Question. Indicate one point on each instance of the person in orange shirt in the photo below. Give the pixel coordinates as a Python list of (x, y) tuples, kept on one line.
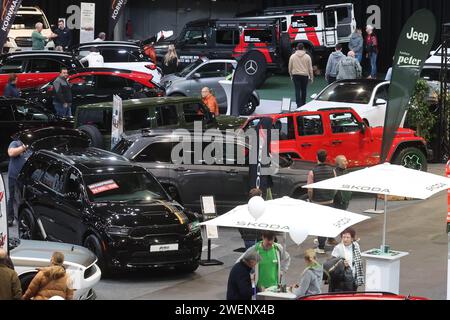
[(210, 101)]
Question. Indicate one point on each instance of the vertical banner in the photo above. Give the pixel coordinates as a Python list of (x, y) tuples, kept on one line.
[(413, 48), (250, 69), (87, 22), (117, 121), (3, 217), (116, 10), (9, 11)]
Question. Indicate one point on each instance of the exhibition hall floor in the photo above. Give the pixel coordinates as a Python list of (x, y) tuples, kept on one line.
[(417, 227)]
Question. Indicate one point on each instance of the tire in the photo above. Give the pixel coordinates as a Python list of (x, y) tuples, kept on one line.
[(188, 268), (25, 281), (27, 225), (94, 134), (93, 243), (412, 158), (250, 107)]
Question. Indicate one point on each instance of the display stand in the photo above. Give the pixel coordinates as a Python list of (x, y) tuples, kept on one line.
[(209, 213), (227, 86), (383, 270)]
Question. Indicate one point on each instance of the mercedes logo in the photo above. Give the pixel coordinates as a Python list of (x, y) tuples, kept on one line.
[(251, 67)]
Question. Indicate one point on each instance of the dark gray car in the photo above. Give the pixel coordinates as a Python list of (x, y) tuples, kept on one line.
[(228, 182)]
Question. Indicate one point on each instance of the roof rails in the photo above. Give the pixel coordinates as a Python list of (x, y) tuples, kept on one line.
[(335, 109), (292, 9)]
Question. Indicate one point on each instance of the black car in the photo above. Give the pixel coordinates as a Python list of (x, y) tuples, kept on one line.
[(97, 199), (19, 114)]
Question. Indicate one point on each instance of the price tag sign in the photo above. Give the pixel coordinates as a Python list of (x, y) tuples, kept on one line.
[(208, 207), (212, 232)]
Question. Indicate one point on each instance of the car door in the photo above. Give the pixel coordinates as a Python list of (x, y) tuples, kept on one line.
[(311, 135), (8, 127), (209, 76), (109, 85), (83, 90), (346, 22), (285, 129), (41, 71), (346, 139), (330, 30)]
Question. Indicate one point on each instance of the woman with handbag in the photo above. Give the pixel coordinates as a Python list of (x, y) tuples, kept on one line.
[(350, 252)]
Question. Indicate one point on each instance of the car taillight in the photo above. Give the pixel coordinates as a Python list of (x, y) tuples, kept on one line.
[(151, 66)]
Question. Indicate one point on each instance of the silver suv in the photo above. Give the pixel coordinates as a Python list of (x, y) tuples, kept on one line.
[(206, 73)]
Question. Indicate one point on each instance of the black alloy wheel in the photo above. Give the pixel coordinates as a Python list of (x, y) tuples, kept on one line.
[(412, 158), (27, 225), (249, 107)]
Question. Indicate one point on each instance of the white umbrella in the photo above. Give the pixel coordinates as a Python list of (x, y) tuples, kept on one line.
[(286, 215), (387, 179)]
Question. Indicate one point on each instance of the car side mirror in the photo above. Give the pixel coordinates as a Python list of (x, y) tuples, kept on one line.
[(362, 127), (196, 76), (380, 102), (314, 96)]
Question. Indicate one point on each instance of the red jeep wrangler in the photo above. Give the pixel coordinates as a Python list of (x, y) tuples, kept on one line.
[(341, 132)]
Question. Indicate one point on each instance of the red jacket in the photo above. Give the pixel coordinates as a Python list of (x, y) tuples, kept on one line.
[(371, 43)]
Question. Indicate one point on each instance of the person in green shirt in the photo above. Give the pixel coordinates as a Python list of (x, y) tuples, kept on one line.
[(38, 39), (273, 264)]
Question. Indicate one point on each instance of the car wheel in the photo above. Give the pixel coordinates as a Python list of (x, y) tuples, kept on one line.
[(412, 158), (25, 281), (250, 107), (188, 268), (94, 134), (93, 244), (27, 225)]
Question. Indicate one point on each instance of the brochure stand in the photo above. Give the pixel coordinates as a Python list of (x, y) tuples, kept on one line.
[(209, 213)]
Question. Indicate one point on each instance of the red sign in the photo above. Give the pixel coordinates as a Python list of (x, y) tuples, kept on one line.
[(103, 186)]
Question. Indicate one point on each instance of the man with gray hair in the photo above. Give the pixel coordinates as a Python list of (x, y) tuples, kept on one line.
[(349, 68), (38, 39), (239, 281), (342, 198), (10, 288), (101, 37)]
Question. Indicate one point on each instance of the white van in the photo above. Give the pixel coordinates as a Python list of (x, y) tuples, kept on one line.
[(19, 36)]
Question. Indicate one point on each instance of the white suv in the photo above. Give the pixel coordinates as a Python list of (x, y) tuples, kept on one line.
[(19, 36)]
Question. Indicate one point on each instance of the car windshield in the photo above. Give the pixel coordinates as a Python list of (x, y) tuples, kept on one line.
[(124, 187), (348, 92), (189, 68), (28, 21)]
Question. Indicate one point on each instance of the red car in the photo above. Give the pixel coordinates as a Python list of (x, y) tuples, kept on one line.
[(375, 296), (341, 132), (95, 85), (35, 68)]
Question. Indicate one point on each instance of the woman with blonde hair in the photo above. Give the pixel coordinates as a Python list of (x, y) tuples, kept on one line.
[(170, 63), (311, 280)]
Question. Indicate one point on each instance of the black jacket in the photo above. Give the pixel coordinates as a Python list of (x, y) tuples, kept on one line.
[(62, 90), (171, 67), (64, 38), (239, 282)]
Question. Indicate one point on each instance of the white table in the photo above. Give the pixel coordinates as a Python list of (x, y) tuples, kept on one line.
[(267, 295), (383, 270)]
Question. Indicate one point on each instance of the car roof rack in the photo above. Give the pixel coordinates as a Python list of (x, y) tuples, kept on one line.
[(292, 9)]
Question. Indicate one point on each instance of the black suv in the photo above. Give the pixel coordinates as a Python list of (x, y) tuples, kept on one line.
[(99, 200), (226, 39), (19, 114)]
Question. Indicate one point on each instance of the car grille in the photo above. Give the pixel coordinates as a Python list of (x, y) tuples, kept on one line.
[(160, 258), (145, 232), (23, 42)]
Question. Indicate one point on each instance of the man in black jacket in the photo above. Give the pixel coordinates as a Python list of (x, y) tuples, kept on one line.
[(239, 281), (62, 100), (64, 36)]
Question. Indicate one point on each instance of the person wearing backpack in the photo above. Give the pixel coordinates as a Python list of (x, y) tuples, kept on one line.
[(310, 282), (350, 252)]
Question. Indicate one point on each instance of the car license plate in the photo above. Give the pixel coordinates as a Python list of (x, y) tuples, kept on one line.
[(164, 247)]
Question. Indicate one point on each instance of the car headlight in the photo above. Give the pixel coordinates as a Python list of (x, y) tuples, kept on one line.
[(118, 231), (194, 226)]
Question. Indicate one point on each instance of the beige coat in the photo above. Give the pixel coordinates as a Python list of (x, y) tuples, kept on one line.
[(300, 64)]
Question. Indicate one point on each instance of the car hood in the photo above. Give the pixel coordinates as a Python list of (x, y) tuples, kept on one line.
[(38, 254), (170, 79), (399, 133), (133, 215)]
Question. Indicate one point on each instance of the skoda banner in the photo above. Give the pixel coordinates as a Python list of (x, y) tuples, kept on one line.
[(9, 11), (250, 70), (3, 217), (117, 121), (413, 48), (116, 9)]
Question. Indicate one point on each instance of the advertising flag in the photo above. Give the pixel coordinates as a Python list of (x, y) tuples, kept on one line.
[(116, 10), (9, 11), (413, 47)]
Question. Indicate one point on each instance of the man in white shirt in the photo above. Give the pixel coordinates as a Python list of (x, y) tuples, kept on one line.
[(101, 37), (94, 59)]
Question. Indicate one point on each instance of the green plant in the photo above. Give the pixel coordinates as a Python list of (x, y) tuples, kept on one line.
[(420, 116)]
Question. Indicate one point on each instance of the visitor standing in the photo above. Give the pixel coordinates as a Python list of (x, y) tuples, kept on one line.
[(356, 44), (170, 63), (311, 279), (10, 288), (94, 59), (210, 101), (64, 36), (301, 70), (11, 90), (372, 50), (349, 68), (332, 64), (342, 198), (38, 40), (240, 278), (62, 99), (321, 172)]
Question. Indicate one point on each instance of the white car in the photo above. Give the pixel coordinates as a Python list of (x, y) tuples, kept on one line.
[(122, 55), (367, 97), (28, 255), (19, 36)]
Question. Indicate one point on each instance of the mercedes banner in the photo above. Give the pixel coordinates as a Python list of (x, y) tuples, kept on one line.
[(413, 47), (9, 11)]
